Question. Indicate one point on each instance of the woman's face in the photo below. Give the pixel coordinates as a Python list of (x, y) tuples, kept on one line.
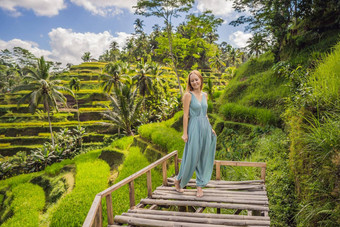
[(195, 82)]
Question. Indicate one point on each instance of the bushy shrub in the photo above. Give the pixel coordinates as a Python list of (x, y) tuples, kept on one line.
[(274, 150), (312, 117), (67, 145)]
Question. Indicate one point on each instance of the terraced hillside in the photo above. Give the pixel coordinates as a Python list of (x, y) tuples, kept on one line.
[(22, 131)]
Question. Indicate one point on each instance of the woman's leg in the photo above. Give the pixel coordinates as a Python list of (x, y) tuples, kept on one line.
[(177, 186), (199, 192)]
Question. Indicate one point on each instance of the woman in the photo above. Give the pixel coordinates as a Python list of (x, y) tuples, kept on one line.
[(198, 135)]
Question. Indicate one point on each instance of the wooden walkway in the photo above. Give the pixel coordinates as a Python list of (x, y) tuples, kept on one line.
[(246, 202)]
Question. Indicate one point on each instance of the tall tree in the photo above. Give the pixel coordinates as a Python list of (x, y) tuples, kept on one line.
[(43, 89), (165, 9), (75, 85)]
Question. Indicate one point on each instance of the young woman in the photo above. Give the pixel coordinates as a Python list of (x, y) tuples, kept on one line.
[(198, 135)]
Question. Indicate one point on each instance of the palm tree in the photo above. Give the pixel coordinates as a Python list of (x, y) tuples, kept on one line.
[(257, 44), (216, 62), (114, 45), (144, 82), (159, 82), (86, 56), (210, 88), (75, 85), (43, 89), (124, 108), (139, 26), (112, 76)]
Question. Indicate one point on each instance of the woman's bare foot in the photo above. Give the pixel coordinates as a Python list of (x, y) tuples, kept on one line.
[(199, 192), (178, 187)]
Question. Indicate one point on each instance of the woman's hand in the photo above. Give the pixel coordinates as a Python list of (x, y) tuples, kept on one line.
[(185, 137), (213, 131)]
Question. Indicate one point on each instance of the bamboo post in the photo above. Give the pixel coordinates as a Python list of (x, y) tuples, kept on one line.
[(218, 170), (132, 194), (165, 180), (98, 221), (263, 174), (149, 183), (176, 163), (109, 209)]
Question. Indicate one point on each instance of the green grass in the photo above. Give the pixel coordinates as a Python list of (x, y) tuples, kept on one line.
[(28, 202), (325, 79), (255, 84), (133, 162), (165, 137), (91, 178), (123, 143), (239, 113)]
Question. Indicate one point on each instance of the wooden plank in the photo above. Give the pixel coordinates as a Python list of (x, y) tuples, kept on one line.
[(164, 170), (149, 183), (92, 212), (216, 191), (202, 215), (210, 199), (109, 209), (231, 187), (176, 164), (148, 222), (153, 207), (238, 163), (200, 210), (135, 175), (200, 220), (223, 182), (218, 170), (226, 195), (263, 173), (132, 194), (205, 204)]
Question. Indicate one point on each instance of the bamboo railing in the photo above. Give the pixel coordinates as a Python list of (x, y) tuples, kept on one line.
[(94, 216)]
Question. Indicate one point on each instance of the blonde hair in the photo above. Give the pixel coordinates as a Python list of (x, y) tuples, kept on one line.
[(189, 87)]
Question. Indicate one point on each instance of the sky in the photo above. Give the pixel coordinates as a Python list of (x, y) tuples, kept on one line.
[(62, 30)]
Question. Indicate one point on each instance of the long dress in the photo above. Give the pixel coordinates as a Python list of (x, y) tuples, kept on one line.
[(199, 150)]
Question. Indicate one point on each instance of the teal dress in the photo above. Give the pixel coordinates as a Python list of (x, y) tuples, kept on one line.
[(199, 150)]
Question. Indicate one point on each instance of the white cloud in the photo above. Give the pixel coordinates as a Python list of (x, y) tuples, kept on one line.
[(40, 7), (218, 7), (28, 45), (239, 38), (68, 46), (106, 7)]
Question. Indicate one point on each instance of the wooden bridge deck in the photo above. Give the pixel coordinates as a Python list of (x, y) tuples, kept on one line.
[(167, 207), (237, 195)]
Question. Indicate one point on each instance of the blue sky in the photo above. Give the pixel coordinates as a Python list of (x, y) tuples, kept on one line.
[(62, 30)]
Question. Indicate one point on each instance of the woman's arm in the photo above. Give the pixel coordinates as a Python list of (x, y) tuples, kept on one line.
[(207, 113), (186, 106)]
